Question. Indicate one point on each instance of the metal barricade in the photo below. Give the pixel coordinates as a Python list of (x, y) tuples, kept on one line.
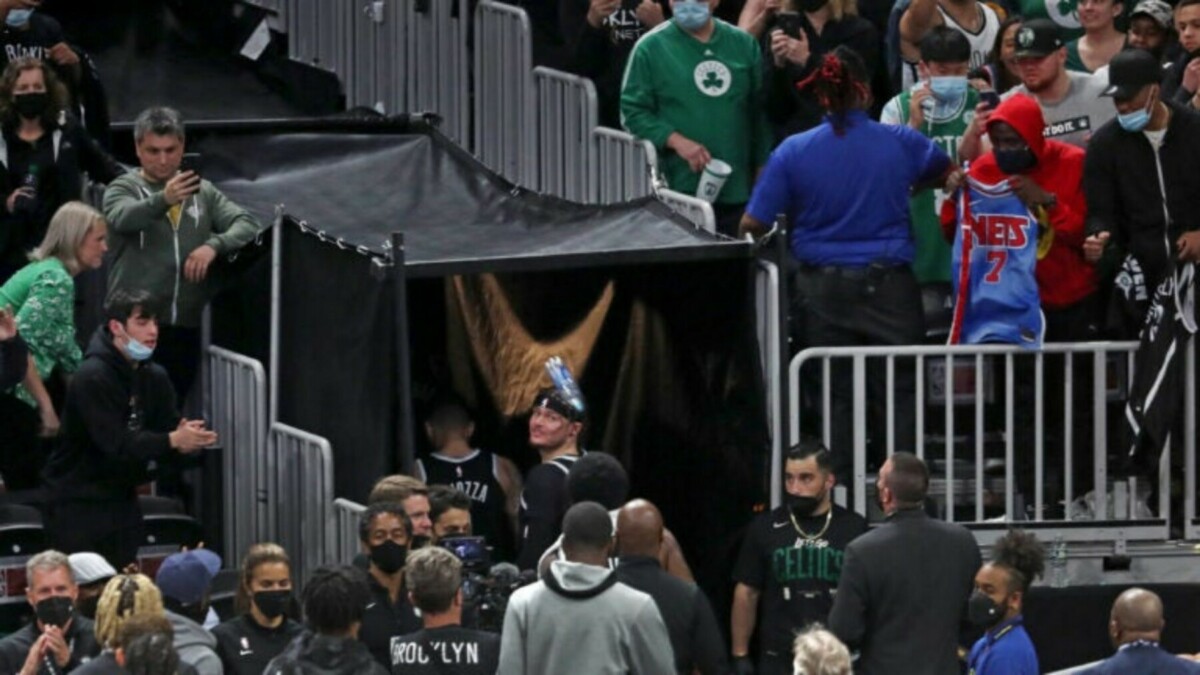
[(300, 497), (766, 296), (437, 62), (625, 166), (238, 413), (503, 92), (958, 383), (694, 209), (1191, 527), (346, 542), (566, 115)]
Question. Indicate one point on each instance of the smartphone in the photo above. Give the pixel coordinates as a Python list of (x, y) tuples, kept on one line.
[(789, 23), (991, 98), (191, 162)]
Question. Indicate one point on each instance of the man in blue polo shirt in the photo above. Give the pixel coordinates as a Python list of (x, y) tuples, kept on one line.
[(845, 188)]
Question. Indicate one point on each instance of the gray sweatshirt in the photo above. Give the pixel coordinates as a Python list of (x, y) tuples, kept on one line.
[(197, 647), (581, 620)]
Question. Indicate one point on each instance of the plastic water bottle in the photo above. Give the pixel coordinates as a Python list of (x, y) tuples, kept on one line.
[(1058, 563)]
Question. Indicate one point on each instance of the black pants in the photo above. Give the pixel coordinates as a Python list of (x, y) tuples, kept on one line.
[(775, 664), (178, 351), (862, 307), (22, 451), (113, 529)]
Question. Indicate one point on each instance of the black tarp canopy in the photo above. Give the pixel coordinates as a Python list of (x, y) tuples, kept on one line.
[(670, 368), (372, 178)]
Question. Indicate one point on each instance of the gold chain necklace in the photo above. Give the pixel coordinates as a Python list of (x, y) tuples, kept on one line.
[(810, 537)]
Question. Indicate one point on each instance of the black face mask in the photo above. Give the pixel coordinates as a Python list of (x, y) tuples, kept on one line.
[(811, 6), (1015, 161), (983, 611), (55, 611), (272, 604), (87, 606), (389, 556), (803, 506), (31, 106), (420, 541)]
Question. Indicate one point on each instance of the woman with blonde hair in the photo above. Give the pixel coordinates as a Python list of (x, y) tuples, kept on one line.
[(264, 599), (42, 296), (124, 597)]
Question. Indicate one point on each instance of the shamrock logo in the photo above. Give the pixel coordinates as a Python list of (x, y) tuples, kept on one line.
[(713, 78)]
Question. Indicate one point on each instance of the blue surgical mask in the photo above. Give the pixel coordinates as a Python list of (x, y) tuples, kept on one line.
[(138, 351), (949, 88), (18, 17), (1136, 120), (691, 14)]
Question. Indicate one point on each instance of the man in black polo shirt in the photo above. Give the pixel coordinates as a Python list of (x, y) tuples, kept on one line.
[(790, 563), (555, 426), (385, 532), (443, 646)]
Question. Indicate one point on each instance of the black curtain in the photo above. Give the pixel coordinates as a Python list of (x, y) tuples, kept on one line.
[(336, 360)]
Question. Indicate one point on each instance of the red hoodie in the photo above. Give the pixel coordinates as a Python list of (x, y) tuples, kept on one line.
[(1064, 277)]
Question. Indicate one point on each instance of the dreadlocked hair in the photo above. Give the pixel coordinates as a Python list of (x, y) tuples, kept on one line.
[(1022, 555), (124, 596), (839, 82)]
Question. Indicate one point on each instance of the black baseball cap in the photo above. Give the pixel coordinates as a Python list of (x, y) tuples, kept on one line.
[(1129, 71), (1037, 38)]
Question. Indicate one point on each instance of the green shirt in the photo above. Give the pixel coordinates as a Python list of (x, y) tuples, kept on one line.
[(710, 92), (932, 260), (1074, 60), (1065, 13), (42, 294)]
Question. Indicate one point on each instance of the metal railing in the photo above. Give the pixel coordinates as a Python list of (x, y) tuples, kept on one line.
[(438, 61), (1191, 527), (766, 295), (566, 115), (958, 383), (238, 413), (346, 541), (625, 166), (503, 92), (694, 209), (300, 497)]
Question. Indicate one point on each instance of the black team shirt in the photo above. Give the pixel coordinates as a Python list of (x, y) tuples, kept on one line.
[(448, 649), (796, 574)]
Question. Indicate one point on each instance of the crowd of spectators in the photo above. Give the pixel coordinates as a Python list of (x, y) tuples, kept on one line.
[(1091, 127)]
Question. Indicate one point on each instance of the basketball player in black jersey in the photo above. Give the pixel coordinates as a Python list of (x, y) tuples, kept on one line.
[(492, 482), (554, 428)]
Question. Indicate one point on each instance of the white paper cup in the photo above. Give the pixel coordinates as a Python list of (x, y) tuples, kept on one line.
[(713, 179)]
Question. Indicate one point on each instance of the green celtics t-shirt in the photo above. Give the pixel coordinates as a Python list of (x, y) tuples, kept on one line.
[(946, 128), (796, 567), (710, 92)]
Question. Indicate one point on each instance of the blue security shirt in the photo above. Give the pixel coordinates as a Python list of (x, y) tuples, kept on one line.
[(1004, 650), (846, 197)]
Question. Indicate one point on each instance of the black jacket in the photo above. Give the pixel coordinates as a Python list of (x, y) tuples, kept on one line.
[(312, 654), (75, 153), (246, 648), (902, 597), (1172, 88), (690, 620), (792, 111), (1125, 198), (116, 424), (14, 649)]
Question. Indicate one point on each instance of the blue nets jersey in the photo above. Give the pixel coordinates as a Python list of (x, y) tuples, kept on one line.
[(992, 268)]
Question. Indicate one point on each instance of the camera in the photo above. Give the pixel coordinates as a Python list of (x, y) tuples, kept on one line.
[(486, 588)]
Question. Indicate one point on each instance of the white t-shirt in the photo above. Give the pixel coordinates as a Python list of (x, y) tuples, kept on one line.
[(981, 41)]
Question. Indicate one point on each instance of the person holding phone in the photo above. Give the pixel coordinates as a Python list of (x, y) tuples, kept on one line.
[(121, 429), (801, 33), (169, 227), (944, 108)]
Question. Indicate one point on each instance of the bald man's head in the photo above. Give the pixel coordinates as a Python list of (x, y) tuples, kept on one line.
[(1137, 614), (639, 529)]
